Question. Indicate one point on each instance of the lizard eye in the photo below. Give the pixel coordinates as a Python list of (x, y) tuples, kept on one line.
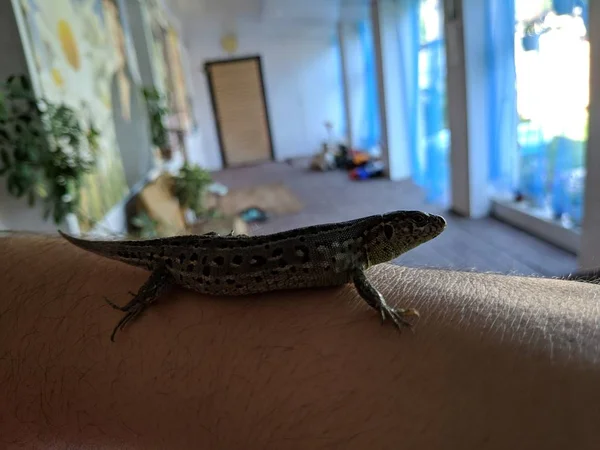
[(421, 219), (388, 230)]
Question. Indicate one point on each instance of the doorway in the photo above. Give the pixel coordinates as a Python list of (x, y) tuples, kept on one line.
[(240, 110)]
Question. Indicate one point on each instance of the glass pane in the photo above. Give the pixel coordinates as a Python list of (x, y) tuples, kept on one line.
[(435, 135), (552, 69)]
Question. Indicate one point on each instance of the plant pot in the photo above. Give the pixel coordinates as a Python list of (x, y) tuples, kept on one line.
[(563, 7), (531, 42), (72, 223)]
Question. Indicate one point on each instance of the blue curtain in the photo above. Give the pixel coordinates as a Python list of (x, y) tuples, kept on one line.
[(370, 134), (423, 80), (436, 142), (500, 65), (424, 95), (408, 40)]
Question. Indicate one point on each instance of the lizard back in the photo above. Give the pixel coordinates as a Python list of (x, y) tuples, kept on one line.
[(315, 256)]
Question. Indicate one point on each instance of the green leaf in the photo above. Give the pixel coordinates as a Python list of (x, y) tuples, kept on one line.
[(42, 191), (14, 185), (4, 135), (25, 82), (4, 157), (3, 110)]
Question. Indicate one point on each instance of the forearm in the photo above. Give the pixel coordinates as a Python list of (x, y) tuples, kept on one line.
[(495, 361)]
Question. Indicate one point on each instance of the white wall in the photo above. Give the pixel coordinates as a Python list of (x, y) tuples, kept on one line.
[(396, 125), (302, 74)]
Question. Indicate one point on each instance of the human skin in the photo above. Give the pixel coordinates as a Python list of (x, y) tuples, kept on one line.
[(495, 362)]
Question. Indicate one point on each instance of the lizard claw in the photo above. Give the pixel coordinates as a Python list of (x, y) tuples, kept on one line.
[(132, 310), (132, 313), (398, 315), (114, 305)]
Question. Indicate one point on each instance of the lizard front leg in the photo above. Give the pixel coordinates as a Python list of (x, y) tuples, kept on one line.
[(232, 233), (154, 286), (375, 300)]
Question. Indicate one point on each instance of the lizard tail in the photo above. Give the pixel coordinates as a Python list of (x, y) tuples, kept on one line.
[(90, 245), (117, 250)]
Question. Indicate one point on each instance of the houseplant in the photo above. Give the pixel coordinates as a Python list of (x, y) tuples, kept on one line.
[(189, 186), (157, 114), (146, 227), (45, 150)]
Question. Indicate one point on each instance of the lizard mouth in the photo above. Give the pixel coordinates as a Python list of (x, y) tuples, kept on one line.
[(439, 222)]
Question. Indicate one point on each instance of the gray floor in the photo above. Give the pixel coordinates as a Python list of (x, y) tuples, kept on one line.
[(485, 245)]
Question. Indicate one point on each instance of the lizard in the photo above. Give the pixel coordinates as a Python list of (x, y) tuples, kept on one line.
[(324, 255)]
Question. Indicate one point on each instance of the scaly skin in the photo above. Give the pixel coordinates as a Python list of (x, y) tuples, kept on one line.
[(315, 256)]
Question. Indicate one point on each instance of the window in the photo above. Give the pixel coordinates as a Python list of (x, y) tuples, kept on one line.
[(552, 83)]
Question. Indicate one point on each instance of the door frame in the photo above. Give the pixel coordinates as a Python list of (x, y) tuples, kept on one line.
[(213, 102)]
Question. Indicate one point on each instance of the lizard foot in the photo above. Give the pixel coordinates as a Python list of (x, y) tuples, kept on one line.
[(132, 310), (376, 301), (232, 233), (398, 315), (148, 294)]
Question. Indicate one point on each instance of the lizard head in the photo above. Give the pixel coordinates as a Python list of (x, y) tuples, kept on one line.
[(400, 231)]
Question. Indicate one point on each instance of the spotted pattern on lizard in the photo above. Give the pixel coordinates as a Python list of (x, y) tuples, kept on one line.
[(316, 256)]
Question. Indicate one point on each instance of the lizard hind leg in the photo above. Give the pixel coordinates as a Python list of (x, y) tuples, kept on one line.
[(154, 286), (376, 301)]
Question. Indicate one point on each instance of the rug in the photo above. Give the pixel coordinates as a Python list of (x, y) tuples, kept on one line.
[(275, 198)]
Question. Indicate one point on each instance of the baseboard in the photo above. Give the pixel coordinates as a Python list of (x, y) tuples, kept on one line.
[(545, 229)]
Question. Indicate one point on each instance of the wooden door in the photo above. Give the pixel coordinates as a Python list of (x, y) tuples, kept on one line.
[(240, 111)]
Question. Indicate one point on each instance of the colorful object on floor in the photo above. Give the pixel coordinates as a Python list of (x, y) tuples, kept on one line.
[(360, 164), (251, 215), (372, 169), (349, 159), (358, 158)]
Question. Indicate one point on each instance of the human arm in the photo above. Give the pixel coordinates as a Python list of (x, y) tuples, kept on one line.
[(495, 362)]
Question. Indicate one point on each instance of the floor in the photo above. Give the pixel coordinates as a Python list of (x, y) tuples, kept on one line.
[(484, 245)]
